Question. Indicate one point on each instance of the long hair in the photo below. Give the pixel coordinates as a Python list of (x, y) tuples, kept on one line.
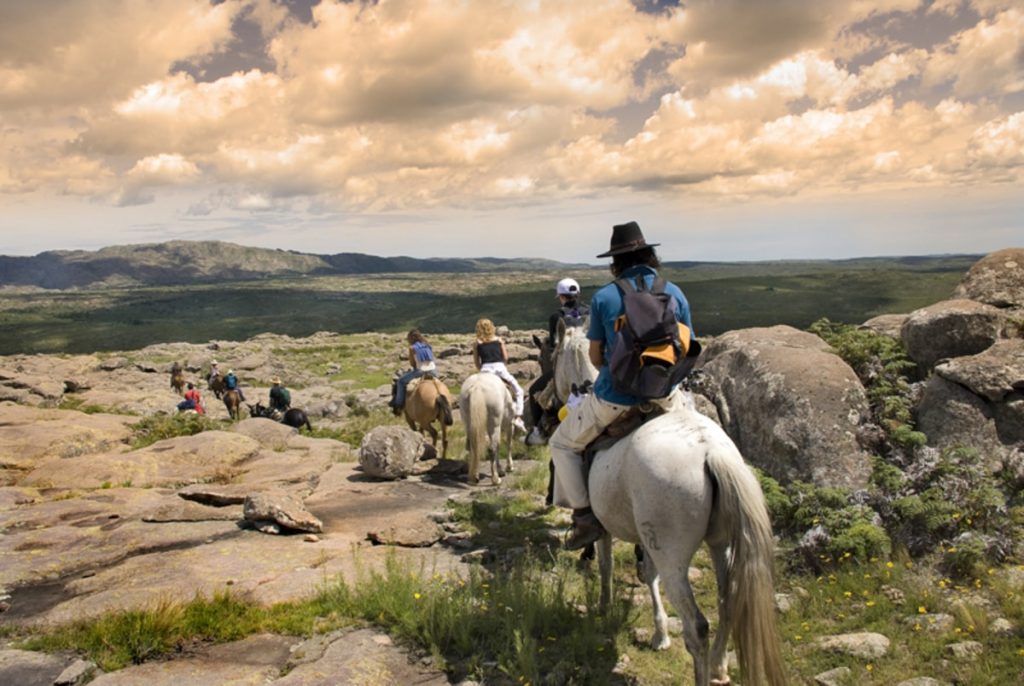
[(644, 256), (415, 336), (485, 329)]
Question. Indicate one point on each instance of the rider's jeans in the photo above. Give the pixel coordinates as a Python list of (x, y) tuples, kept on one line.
[(583, 424)]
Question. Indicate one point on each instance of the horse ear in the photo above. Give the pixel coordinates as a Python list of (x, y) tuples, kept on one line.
[(536, 341)]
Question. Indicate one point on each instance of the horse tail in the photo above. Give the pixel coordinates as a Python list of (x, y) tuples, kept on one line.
[(741, 511), (446, 410), (478, 434)]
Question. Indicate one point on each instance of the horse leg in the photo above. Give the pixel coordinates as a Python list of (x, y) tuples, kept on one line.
[(695, 625), (604, 563), (719, 661), (661, 639), (495, 458)]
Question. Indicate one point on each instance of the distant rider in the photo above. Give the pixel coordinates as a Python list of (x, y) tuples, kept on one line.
[(490, 356), (192, 400), (421, 359), (231, 384), (572, 312), (280, 398)]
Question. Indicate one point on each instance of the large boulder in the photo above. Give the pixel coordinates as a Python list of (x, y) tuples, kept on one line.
[(391, 452), (976, 400), (950, 328), (792, 406), (996, 279)]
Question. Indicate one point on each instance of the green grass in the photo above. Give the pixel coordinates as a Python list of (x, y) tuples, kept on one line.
[(153, 428), (723, 297), (522, 620)]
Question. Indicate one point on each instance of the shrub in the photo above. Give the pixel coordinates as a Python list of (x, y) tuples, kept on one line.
[(155, 428), (882, 365), (947, 498)]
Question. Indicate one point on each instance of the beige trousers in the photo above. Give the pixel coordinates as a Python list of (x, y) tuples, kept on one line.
[(584, 423)]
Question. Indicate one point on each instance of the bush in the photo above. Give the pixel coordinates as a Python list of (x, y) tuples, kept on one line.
[(882, 365), (948, 499), (155, 428)]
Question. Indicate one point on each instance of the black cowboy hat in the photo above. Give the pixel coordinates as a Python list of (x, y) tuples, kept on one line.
[(627, 238)]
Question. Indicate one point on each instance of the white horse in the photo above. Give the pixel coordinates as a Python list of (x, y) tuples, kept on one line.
[(676, 481), (572, 363), (485, 404)]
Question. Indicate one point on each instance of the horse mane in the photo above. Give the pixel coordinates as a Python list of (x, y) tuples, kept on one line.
[(572, 360)]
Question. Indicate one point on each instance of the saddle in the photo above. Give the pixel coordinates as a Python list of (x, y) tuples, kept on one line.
[(414, 383)]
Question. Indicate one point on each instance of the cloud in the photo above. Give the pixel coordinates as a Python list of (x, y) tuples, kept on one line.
[(985, 59), (70, 54), (423, 104)]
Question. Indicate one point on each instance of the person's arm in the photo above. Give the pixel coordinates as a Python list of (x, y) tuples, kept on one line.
[(412, 357), (476, 354), (504, 353), (596, 352)]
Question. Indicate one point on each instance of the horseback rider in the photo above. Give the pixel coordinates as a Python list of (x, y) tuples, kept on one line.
[(280, 398), (231, 384), (192, 400), (421, 359), (571, 312), (214, 374), (632, 259), (489, 355)]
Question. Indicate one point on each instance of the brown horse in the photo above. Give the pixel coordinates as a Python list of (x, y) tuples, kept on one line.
[(216, 385), (430, 401), (233, 402), (178, 378)]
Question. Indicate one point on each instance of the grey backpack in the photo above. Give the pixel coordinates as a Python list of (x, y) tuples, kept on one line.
[(652, 351)]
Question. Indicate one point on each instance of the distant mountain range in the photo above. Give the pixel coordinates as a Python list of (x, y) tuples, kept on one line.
[(193, 262)]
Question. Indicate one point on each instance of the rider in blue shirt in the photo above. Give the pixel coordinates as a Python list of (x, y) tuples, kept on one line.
[(632, 258)]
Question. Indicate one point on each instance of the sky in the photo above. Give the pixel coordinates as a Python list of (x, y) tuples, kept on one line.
[(728, 129)]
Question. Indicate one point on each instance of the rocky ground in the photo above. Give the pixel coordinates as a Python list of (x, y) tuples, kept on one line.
[(90, 525)]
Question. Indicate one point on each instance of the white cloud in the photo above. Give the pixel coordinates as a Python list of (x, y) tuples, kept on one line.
[(985, 59), (424, 104)]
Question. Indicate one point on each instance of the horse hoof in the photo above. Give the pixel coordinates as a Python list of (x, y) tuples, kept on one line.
[(721, 682), (661, 642), (496, 481)]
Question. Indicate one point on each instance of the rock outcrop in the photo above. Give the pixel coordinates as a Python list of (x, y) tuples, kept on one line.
[(790, 404), (951, 328), (996, 279)]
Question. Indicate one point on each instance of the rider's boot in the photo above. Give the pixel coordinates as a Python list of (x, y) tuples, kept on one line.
[(585, 529)]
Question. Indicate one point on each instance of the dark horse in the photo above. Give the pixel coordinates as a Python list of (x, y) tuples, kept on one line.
[(216, 386), (293, 417), (177, 378)]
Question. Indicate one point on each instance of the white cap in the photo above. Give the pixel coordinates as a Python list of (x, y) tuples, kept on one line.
[(567, 287)]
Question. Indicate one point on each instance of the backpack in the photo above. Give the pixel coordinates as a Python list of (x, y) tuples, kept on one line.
[(652, 352)]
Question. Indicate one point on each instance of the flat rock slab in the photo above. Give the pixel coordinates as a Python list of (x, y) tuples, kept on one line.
[(208, 456), (28, 668), (30, 434), (363, 657), (254, 660)]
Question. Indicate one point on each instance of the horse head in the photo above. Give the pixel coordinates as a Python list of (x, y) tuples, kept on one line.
[(572, 363)]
